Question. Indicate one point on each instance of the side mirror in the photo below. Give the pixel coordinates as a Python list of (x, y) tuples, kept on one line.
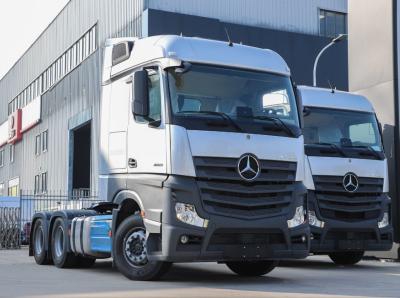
[(140, 103)]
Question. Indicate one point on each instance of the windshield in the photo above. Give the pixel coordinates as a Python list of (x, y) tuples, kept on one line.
[(342, 130), (216, 98)]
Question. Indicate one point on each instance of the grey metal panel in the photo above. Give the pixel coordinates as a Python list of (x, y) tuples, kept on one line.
[(76, 92), (290, 15)]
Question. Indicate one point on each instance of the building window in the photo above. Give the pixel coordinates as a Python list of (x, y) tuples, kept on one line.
[(13, 187), (37, 145), (44, 140), (12, 153), (1, 189), (41, 183), (1, 158), (332, 23), (37, 184), (44, 182)]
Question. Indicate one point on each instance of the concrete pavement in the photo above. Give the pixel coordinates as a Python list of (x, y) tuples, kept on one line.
[(316, 277)]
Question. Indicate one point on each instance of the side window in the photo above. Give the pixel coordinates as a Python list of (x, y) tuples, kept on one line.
[(154, 95)]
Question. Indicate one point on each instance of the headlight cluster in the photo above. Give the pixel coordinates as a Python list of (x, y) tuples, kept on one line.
[(314, 221), (298, 218), (187, 213), (385, 221)]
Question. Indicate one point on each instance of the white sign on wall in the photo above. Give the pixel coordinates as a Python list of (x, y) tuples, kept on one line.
[(3, 133), (31, 114)]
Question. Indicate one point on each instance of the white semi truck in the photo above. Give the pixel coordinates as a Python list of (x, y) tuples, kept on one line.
[(346, 175), (201, 158)]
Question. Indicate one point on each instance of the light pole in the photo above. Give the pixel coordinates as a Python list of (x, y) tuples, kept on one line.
[(337, 39)]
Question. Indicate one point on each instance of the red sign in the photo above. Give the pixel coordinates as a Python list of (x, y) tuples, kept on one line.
[(14, 127)]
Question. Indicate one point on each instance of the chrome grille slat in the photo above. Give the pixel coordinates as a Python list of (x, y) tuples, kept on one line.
[(336, 203), (224, 192)]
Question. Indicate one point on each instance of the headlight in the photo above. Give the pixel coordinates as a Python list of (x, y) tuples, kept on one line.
[(298, 218), (187, 213), (314, 221), (384, 222)]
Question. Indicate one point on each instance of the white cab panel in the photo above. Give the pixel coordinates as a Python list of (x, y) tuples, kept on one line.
[(234, 145), (181, 155), (335, 166)]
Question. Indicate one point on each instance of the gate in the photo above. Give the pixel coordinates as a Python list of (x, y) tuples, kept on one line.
[(10, 228)]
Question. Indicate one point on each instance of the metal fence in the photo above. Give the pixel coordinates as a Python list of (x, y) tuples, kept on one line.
[(15, 222), (9, 227)]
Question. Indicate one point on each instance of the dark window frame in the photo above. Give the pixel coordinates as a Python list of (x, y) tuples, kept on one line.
[(324, 12)]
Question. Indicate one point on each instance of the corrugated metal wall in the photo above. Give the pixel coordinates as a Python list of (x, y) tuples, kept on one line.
[(78, 91), (288, 15)]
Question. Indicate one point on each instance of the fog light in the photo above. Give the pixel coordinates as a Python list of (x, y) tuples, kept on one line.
[(304, 239), (186, 213), (298, 218), (384, 222), (314, 221), (184, 239)]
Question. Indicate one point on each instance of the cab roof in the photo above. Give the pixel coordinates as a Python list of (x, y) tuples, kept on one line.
[(325, 98), (207, 51)]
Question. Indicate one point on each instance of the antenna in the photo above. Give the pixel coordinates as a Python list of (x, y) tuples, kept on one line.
[(229, 38), (333, 88)]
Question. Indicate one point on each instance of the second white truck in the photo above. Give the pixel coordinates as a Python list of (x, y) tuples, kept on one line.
[(346, 175)]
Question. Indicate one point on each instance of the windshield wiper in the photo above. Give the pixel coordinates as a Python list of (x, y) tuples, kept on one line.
[(370, 149), (276, 120), (221, 114), (333, 146)]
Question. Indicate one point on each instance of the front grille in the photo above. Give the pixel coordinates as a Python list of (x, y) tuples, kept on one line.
[(335, 202), (224, 192)]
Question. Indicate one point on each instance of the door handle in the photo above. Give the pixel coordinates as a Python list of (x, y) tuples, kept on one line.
[(132, 163)]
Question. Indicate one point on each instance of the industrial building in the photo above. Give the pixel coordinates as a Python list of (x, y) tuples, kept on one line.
[(49, 100)]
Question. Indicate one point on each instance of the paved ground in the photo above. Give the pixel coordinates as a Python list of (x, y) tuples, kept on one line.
[(316, 277)]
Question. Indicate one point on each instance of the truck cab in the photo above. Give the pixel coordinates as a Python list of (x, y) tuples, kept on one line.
[(201, 159), (346, 175)]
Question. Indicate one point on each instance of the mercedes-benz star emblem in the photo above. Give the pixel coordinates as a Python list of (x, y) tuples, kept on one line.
[(248, 167), (350, 182)]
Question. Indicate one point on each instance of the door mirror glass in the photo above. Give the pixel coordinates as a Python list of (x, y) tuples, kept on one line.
[(140, 103)]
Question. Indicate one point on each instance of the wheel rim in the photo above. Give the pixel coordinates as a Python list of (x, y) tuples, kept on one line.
[(135, 250), (39, 240), (59, 242)]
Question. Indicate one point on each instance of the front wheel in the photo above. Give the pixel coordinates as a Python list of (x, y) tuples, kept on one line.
[(346, 258), (252, 268), (130, 252)]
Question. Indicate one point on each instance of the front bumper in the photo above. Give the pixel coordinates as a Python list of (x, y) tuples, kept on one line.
[(226, 238), (339, 235)]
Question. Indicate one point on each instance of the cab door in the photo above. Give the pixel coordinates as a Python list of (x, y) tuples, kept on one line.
[(147, 142)]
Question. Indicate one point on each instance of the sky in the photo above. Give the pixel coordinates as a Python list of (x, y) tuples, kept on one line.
[(21, 22)]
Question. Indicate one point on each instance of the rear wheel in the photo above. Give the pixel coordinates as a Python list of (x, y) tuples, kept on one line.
[(38, 243), (252, 268), (130, 253), (346, 258), (59, 246)]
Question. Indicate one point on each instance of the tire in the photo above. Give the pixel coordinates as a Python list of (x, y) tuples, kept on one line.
[(59, 246), (252, 268), (346, 258), (129, 252), (38, 243)]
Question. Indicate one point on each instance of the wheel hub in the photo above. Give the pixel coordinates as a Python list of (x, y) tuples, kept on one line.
[(135, 248)]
